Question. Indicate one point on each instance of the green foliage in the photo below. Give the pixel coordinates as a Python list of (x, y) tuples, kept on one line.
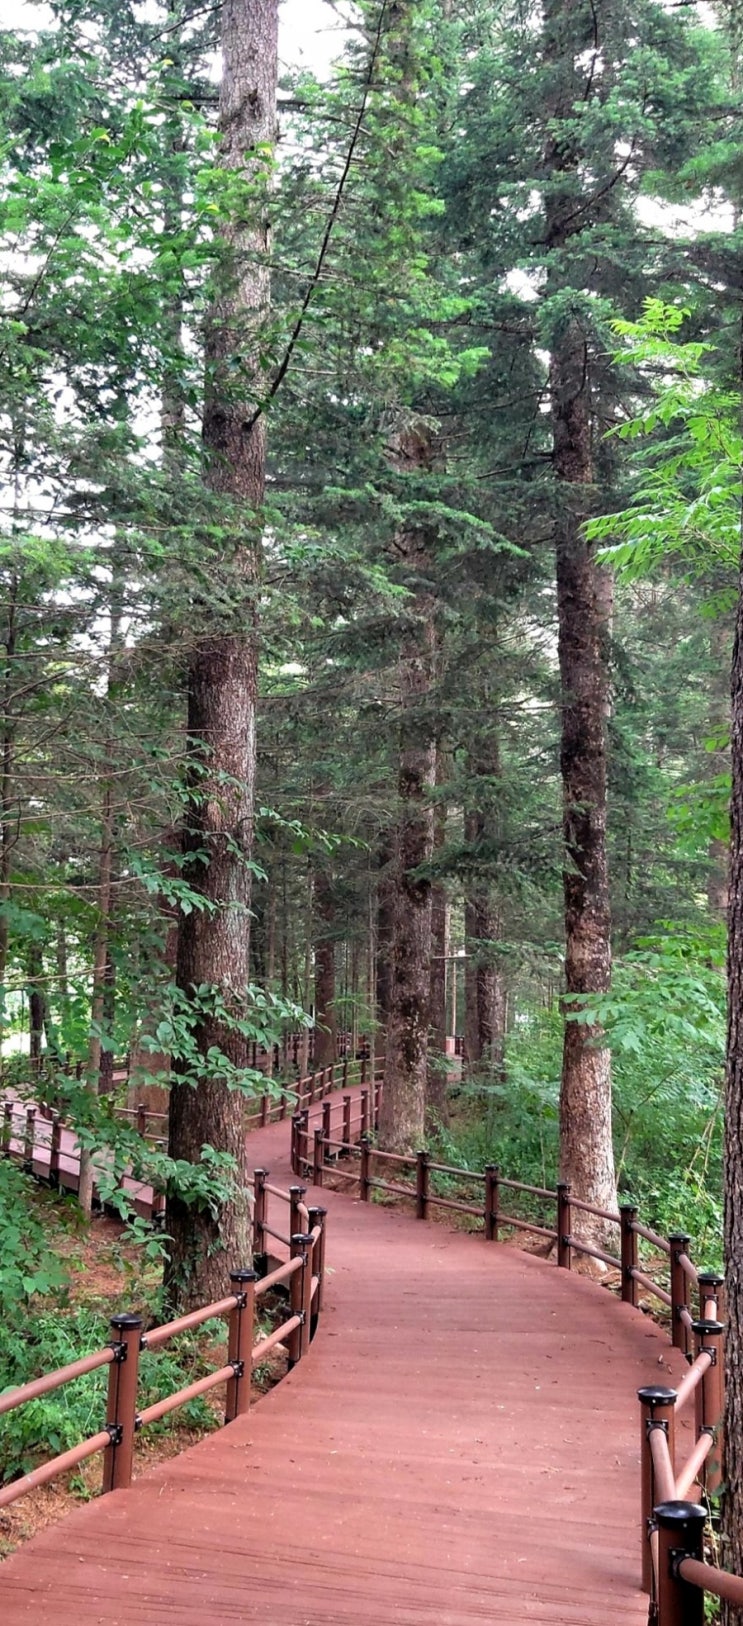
[(665, 1023), (687, 506), (28, 1266), (43, 1341)]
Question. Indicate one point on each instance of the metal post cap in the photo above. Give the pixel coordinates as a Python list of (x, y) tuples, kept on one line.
[(126, 1323), (710, 1278), (673, 1515), (707, 1329), (244, 1276), (297, 1191), (302, 1239), (656, 1395), (680, 1237)]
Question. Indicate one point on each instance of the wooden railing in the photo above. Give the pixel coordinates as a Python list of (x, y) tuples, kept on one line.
[(40, 1141), (302, 1273), (337, 1138)]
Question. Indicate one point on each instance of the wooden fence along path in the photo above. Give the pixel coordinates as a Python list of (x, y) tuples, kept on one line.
[(460, 1446)]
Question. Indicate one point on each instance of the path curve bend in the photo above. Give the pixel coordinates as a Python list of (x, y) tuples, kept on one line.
[(460, 1448)]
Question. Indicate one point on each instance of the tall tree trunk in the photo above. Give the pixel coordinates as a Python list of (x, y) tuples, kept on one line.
[(719, 761), (385, 897), (306, 995), (491, 992), (402, 1124), (101, 940), (106, 1068), (213, 944), (586, 1150), (471, 1015), (733, 1501), (326, 1025), (36, 1003), (436, 1077), (63, 987), (8, 828)]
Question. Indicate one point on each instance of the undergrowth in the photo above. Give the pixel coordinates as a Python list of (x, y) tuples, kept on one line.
[(667, 1125)]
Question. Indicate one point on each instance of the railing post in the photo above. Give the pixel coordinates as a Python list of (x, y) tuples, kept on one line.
[(710, 1396), (304, 1144), (306, 1280), (327, 1127), (564, 1223), (7, 1126), (294, 1154), (142, 1120), (680, 1535), (712, 1305), (28, 1140), (376, 1101), (345, 1071), (318, 1216), (346, 1120), (364, 1068), (121, 1411), (301, 1296), (680, 1292), (260, 1200), (283, 1105), (294, 1341), (297, 1195), (364, 1169), (318, 1158), (628, 1218), (492, 1198), (422, 1174), (240, 1344), (365, 1123), (55, 1147), (656, 1411), (264, 1110)]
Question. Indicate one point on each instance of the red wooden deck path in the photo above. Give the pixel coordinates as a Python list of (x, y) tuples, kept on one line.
[(459, 1448)]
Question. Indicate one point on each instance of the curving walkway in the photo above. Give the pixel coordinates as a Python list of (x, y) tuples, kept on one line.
[(460, 1448)]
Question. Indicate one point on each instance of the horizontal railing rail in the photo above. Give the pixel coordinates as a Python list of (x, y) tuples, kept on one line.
[(341, 1133), (301, 1275)]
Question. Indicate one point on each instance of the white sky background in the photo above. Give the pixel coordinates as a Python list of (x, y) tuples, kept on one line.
[(310, 35)]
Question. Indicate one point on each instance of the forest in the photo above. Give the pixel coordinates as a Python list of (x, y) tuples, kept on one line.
[(370, 506)]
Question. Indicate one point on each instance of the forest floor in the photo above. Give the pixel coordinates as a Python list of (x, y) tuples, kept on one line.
[(106, 1275)]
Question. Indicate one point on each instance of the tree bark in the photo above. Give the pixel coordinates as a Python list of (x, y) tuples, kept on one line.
[(36, 1003), (732, 1523), (471, 1022), (385, 898), (402, 1121), (437, 1110), (8, 822), (586, 1150), (325, 1014), (213, 945), (719, 762), (101, 940)]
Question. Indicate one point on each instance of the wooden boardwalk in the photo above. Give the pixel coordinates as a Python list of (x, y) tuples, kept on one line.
[(460, 1448)]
